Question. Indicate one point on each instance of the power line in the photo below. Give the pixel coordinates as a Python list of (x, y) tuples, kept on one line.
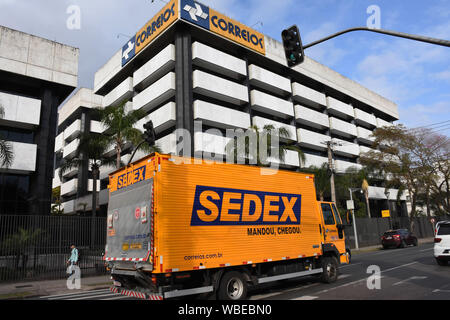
[(430, 125)]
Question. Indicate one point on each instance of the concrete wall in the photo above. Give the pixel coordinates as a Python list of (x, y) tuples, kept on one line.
[(39, 58)]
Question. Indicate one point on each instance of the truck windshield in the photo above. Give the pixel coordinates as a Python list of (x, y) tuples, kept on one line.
[(336, 214)]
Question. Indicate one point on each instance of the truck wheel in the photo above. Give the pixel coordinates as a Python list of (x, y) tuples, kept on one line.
[(330, 270), (233, 286)]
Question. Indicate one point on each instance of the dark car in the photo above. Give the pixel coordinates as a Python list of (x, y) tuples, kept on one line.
[(399, 238)]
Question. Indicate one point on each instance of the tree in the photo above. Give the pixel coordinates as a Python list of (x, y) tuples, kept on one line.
[(6, 149), (20, 244), (255, 139), (56, 200), (408, 158), (92, 147), (365, 189), (119, 126), (321, 179)]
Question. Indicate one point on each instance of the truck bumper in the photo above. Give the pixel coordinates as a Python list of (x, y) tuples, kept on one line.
[(136, 294)]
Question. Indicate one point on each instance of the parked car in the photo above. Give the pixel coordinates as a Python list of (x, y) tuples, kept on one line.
[(442, 243), (399, 238)]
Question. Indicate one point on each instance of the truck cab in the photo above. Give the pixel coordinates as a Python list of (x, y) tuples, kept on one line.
[(332, 230)]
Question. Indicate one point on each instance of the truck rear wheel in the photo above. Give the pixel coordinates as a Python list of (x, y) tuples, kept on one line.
[(233, 286), (330, 270)]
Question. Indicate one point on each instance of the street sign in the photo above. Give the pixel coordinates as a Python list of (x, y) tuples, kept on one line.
[(350, 205), (385, 214)]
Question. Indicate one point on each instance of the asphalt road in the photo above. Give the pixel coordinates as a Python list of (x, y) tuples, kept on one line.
[(395, 274)]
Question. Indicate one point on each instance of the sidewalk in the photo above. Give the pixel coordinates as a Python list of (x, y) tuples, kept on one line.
[(378, 247), (31, 289)]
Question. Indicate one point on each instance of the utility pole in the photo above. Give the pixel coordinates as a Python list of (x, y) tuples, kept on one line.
[(353, 217), (331, 168)]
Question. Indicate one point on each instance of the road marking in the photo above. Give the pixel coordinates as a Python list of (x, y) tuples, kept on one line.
[(117, 298), (343, 276), (95, 296), (306, 298), (365, 279), (350, 265), (440, 290), (426, 249), (412, 278), (75, 293)]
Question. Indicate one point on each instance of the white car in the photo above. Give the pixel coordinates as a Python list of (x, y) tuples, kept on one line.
[(442, 243)]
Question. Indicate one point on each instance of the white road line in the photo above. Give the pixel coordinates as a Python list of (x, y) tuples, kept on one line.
[(117, 298), (350, 265), (440, 290), (75, 293), (426, 249), (306, 298), (365, 279), (263, 296), (412, 278), (96, 296), (343, 276)]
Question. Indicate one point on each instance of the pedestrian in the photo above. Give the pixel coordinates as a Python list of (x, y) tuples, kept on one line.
[(73, 260)]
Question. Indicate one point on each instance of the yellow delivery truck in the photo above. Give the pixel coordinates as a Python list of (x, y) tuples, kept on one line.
[(180, 226)]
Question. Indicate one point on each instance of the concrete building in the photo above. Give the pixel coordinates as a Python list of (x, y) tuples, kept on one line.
[(74, 119), (36, 76), (187, 65)]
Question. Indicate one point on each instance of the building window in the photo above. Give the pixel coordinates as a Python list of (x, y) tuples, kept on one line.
[(17, 135), (14, 194)]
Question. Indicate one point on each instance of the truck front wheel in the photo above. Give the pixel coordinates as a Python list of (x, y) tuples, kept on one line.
[(233, 286), (330, 269)]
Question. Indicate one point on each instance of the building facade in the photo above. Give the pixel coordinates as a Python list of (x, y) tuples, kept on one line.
[(36, 76), (184, 68)]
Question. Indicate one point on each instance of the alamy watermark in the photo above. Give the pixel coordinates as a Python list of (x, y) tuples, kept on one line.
[(74, 280), (252, 146), (374, 280), (73, 22), (374, 20)]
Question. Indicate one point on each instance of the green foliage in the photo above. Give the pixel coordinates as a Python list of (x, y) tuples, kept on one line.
[(6, 148), (249, 145)]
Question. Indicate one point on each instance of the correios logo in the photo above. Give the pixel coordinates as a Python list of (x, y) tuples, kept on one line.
[(222, 206), (196, 11)]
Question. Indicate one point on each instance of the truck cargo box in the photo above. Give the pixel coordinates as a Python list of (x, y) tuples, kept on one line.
[(173, 214)]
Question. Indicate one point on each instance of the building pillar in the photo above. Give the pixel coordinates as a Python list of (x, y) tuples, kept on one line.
[(183, 88), (41, 180)]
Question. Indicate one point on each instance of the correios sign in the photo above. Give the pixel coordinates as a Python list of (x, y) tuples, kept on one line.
[(198, 14)]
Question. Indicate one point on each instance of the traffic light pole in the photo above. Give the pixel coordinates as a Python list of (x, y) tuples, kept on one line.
[(441, 42)]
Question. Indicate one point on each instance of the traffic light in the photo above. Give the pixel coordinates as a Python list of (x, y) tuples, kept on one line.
[(149, 134), (293, 47)]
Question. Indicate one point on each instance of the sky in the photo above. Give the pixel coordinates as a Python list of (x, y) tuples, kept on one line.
[(414, 75)]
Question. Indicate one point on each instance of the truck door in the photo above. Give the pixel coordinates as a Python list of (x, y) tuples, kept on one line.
[(334, 233), (331, 231), (129, 237)]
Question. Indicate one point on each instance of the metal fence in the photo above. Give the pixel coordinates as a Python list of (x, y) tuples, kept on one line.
[(37, 247), (370, 230)]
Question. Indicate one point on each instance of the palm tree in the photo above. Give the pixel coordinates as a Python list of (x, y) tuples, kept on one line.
[(365, 189), (233, 150), (6, 149), (321, 179), (93, 147), (120, 129)]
